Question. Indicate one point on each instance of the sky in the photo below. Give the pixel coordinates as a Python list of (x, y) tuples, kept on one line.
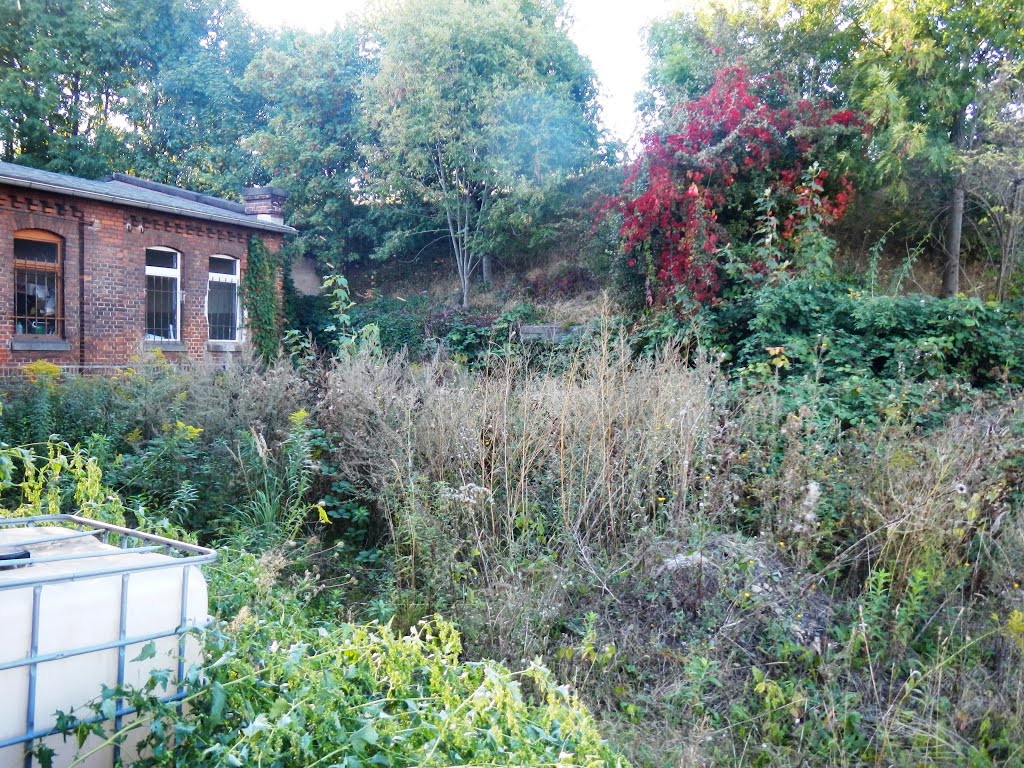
[(608, 32)]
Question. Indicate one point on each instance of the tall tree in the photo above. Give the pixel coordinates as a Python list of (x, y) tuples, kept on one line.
[(145, 86), (310, 145), (993, 180), (924, 72), (65, 68), (687, 48), (475, 103), (187, 124)]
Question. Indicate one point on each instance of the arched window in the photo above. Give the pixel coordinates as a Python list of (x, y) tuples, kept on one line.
[(38, 283), (223, 314), (163, 278)]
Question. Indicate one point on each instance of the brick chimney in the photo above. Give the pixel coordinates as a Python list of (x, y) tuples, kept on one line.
[(265, 203)]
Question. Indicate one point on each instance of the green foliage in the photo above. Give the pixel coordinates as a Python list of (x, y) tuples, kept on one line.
[(170, 437), (339, 303), (344, 338), (189, 115), (330, 325), (682, 61), (924, 74), (30, 418), (279, 689), (687, 47), (155, 470), (64, 64), (480, 340), (416, 329), (870, 355), (276, 486), (478, 110), (89, 88), (55, 479), (262, 299), (309, 145), (402, 322)]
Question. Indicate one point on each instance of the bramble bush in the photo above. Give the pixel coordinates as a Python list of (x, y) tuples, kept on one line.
[(868, 357)]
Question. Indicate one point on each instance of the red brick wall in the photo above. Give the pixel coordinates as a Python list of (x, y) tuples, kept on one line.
[(112, 321)]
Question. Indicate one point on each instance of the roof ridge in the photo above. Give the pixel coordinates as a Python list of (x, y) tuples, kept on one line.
[(184, 194)]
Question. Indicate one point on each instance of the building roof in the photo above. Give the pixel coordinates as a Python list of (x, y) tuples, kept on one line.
[(122, 189)]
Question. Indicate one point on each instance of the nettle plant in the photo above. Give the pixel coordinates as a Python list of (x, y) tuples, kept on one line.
[(741, 185)]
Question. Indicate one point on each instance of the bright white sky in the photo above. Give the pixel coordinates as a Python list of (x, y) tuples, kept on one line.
[(606, 31)]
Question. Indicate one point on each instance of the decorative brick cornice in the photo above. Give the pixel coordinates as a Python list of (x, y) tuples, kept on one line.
[(137, 223)]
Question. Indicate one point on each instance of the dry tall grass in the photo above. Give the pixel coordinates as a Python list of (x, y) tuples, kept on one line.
[(928, 499), (575, 463)]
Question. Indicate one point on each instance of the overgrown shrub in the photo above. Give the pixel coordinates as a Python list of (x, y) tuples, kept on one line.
[(751, 160), (280, 689), (571, 461), (402, 323), (863, 358), (163, 436)]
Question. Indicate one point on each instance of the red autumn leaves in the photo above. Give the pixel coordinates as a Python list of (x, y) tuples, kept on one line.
[(691, 191)]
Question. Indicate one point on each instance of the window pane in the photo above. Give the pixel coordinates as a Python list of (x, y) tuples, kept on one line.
[(161, 307), (36, 304), (166, 259), (31, 250), (222, 311), (219, 266)]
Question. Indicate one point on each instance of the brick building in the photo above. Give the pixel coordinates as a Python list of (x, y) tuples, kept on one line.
[(94, 272)]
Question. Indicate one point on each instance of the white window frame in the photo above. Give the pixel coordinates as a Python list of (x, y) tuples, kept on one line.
[(167, 272), (218, 277)]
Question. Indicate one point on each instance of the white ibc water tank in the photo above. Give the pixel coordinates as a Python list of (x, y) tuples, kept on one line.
[(79, 600)]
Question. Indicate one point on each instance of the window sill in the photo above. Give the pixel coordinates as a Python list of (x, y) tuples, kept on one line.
[(37, 344), (224, 346), (165, 346)]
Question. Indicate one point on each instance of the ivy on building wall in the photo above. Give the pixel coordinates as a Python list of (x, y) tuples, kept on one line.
[(262, 299)]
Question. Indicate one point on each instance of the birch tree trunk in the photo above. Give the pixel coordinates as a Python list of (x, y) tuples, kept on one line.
[(961, 136)]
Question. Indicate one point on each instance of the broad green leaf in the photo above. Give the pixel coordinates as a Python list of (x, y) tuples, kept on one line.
[(148, 652)]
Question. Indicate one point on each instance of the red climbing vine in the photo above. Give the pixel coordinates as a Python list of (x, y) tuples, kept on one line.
[(692, 194)]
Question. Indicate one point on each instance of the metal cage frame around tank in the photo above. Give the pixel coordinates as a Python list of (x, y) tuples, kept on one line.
[(129, 542)]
